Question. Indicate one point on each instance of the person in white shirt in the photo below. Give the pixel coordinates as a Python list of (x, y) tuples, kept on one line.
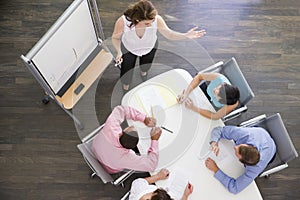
[(135, 36), (143, 188)]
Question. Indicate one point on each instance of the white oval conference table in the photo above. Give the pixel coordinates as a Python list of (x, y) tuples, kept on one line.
[(184, 151)]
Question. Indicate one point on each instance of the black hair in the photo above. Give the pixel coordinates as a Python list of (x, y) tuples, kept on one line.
[(129, 140), (160, 194), (229, 94)]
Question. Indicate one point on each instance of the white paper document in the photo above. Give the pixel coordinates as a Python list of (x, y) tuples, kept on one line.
[(206, 152), (176, 184), (150, 97)]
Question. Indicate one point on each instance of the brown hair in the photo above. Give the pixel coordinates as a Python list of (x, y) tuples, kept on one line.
[(160, 194), (142, 10), (250, 155)]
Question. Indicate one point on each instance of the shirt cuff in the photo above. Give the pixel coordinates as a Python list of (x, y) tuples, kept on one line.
[(220, 175), (216, 134), (154, 145), (141, 117)]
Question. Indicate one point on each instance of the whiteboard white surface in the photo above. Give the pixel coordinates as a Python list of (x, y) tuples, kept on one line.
[(67, 48)]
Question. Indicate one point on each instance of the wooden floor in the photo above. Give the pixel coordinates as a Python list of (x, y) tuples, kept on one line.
[(38, 154)]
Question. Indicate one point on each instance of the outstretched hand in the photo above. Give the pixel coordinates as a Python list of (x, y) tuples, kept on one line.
[(181, 98), (193, 33), (189, 103), (215, 148)]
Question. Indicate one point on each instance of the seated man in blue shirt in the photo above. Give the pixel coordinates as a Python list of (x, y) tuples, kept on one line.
[(254, 148)]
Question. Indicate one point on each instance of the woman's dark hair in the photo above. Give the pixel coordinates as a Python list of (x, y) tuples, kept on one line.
[(229, 94), (142, 10), (129, 140), (160, 194), (250, 155)]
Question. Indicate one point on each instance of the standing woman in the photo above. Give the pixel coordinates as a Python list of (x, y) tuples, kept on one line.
[(135, 35)]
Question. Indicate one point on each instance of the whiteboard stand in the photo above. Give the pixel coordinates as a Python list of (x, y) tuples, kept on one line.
[(70, 54)]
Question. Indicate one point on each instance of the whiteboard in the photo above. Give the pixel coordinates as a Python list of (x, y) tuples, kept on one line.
[(67, 48)]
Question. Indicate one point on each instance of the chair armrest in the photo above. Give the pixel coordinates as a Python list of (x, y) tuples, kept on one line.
[(212, 67), (273, 170), (126, 196), (122, 178), (235, 113), (92, 134), (253, 121)]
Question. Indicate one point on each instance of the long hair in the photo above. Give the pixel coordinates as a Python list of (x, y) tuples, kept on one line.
[(142, 10)]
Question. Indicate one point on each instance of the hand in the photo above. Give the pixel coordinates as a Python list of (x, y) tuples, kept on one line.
[(119, 58), (189, 103), (163, 174), (192, 33), (215, 148), (181, 98), (155, 133), (188, 190), (150, 121), (211, 165)]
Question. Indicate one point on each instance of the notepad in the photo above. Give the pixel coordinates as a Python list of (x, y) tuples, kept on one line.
[(176, 183), (155, 96), (150, 97)]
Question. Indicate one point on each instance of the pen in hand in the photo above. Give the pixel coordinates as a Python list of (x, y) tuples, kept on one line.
[(166, 129), (152, 114)]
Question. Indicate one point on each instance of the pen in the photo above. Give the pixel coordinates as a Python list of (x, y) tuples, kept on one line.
[(166, 129), (152, 114)]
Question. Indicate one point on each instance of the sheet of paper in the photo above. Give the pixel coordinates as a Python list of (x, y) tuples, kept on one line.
[(168, 97), (149, 96), (176, 183), (223, 155)]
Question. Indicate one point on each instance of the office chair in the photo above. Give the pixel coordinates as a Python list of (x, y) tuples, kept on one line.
[(95, 165), (232, 71), (285, 150), (126, 196)]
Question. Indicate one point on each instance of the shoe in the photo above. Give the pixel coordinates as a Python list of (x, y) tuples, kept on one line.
[(144, 77), (125, 90)]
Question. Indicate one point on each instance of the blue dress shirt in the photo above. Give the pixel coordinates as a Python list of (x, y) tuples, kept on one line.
[(255, 136)]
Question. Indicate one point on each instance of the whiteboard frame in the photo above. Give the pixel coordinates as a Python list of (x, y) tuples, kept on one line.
[(29, 56), (58, 23)]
